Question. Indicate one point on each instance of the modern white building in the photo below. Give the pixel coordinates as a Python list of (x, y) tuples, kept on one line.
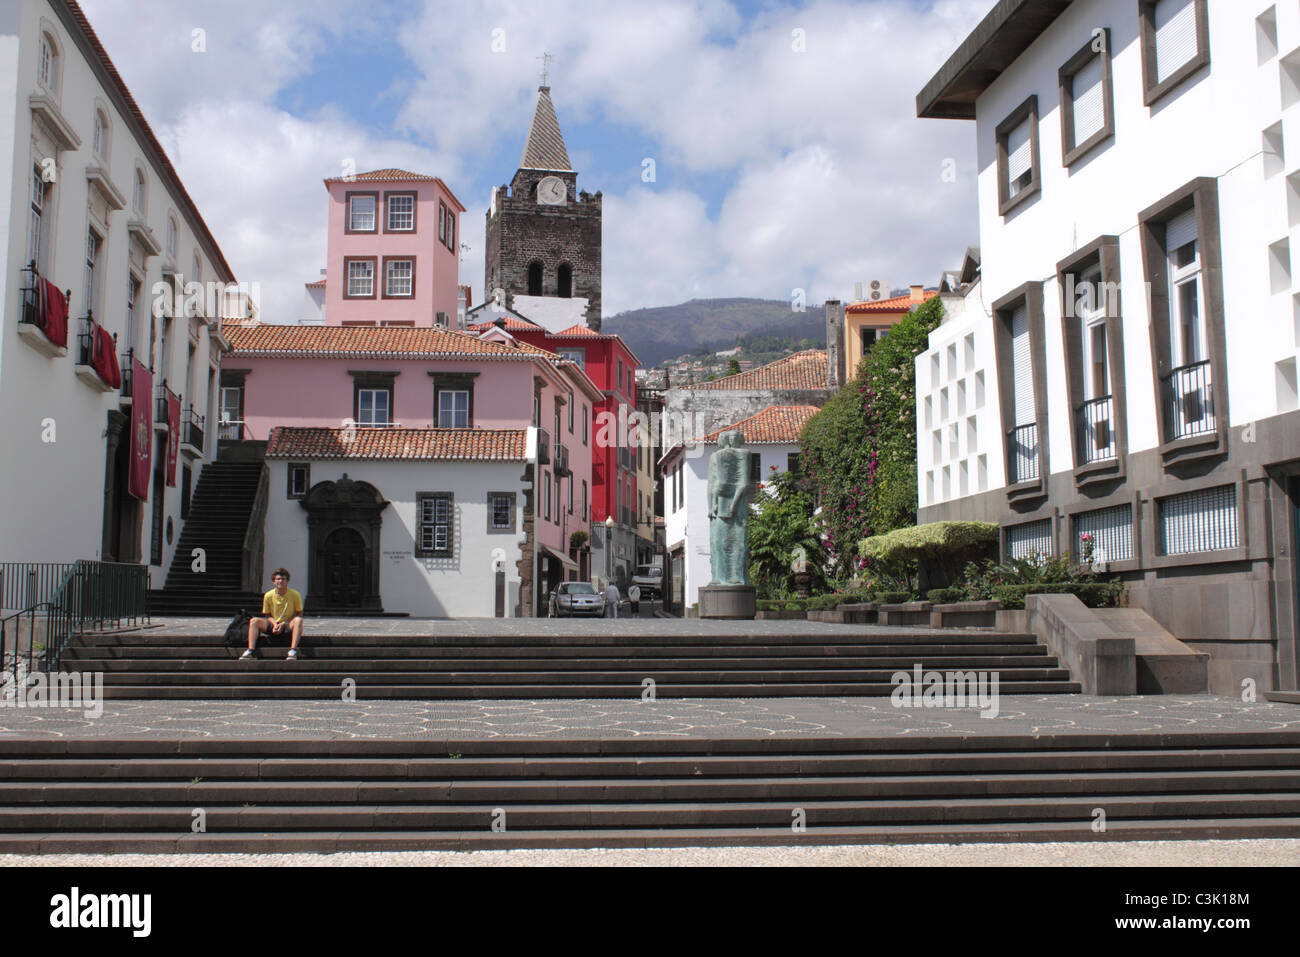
[(773, 434), (94, 207), (1126, 368)]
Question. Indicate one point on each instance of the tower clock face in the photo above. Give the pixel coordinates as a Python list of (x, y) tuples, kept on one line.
[(551, 191)]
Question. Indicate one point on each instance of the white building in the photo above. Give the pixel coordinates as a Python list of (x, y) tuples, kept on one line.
[(1127, 368), (95, 205), (422, 521), (773, 434)]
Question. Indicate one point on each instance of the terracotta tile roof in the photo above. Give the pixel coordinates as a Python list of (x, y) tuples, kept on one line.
[(266, 340), (391, 175), (512, 323), (801, 371), (153, 149), (410, 445), (318, 284), (577, 329), (775, 424), (901, 303)]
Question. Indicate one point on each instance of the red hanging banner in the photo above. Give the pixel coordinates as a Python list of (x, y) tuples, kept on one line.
[(52, 312), (103, 358), (141, 430), (173, 435)]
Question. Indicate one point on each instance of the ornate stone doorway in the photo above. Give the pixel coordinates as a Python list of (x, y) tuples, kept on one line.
[(343, 524)]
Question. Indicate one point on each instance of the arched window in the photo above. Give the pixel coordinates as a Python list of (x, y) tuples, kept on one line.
[(565, 285), (100, 142), (196, 269), (171, 238), (534, 278), (140, 196)]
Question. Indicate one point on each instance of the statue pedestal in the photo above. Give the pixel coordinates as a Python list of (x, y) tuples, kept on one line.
[(728, 601)]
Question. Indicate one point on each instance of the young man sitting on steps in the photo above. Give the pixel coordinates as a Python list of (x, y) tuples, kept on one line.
[(283, 608)]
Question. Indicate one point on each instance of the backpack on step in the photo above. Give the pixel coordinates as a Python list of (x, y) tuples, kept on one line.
[(237, 630)]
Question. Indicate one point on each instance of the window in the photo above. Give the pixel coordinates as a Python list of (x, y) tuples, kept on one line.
[(501, 513), (361, 278), (1175, 41), (453, 409), (792, 463), (585, 419), (620, 375), (537, 409), (1022, 386), (534, 278), (571, 495), (451, 231), (399, 278), (299, 480), (546, 495), (1024, 418), (47, 64), (571, 404), (1017, 153), (1198, 521), (1092, 333), (36, 223), (140, 195), (99, 139), (1029, 538), (435, 537), (446, 226), (564, 282), (584, 500), (1087, 110), (374, 407), (361, 212), (196, 268), (401, 212), (578, 356), (1111, 531), (94, 245), (132, 297), (171, 238)]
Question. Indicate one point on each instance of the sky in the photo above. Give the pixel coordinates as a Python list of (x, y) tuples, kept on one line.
[(760, 149)]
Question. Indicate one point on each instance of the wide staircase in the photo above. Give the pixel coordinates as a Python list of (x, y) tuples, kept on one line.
[(220, 509), (590, 662), (283, 794)]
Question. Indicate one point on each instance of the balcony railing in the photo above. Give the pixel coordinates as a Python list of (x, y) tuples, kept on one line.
[(161, 395), (543, 447), (126, 363), (562, 460), (230, 430), (1189, 401), (192, 428), (1096, 432), (1022, 454)]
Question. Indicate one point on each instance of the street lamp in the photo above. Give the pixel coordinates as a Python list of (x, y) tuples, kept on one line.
[(609, 549)]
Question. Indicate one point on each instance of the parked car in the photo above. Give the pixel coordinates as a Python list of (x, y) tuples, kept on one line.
[(576, 598), (650, 579)]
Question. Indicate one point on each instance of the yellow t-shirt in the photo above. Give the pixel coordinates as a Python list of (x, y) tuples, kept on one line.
[(281, 609)]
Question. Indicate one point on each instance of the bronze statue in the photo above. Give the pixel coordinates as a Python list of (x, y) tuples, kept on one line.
[(730, 491)]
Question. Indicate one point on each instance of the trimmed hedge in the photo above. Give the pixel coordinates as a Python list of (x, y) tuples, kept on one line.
[(932, 540), (1092, 594), (945, 596), (782, 604), (891, 597)]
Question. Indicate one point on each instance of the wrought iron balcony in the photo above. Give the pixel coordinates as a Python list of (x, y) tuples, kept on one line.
[(543, 447), (1094, 425), (161, 395), (192, 428), (562, 460), (1022, 454), (1189, 401)]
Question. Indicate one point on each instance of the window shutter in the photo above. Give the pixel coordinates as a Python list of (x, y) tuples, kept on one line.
[(1089, 108), (1199, 521), (1180, 230), (1019, 157), (1022, 367), (1175, 22), (1032, 538), (1111, 530)]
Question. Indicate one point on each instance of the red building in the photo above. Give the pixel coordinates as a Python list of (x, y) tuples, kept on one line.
[(615, 450)]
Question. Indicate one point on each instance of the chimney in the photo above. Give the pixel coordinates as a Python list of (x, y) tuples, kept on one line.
[(918, 294), (835, 358)]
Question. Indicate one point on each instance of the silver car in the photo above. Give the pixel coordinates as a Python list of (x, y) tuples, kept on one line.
[(576, 598)]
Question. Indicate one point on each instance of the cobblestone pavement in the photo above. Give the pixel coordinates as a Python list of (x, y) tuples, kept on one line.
[(677, 718), (1273, 852)]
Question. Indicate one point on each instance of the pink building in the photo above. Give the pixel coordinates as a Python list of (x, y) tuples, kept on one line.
[(393, 253), (418, 385)]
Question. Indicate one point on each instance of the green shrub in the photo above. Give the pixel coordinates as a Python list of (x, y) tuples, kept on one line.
[(891, 597), (946, 596), (1092, 594), (933, 540)]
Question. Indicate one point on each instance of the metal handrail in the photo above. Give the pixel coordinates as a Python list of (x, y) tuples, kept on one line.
[(16, 618)]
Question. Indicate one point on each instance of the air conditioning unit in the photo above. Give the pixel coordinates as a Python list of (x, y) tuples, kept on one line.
[(877, 289)]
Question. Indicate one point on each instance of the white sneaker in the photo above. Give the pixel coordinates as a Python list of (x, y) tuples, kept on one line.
[(292, 655), (248, 653)]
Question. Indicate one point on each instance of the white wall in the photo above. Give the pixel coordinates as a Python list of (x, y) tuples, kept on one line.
[(459, 587), (61, 517), (1211, 125)]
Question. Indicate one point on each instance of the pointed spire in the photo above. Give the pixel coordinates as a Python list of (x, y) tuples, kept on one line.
[(545, 146)]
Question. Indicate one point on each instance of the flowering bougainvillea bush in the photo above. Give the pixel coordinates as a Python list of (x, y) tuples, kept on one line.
[(860, 450)]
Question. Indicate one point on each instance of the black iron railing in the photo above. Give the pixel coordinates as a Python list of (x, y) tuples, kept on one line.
[(562, 460), (126, 363), (1096, 431), (24, 584), (1022, 454), (1189, 401), (12, 639), (192, 428), (230, 431), (95, 596), (161, 395), (543, 447)]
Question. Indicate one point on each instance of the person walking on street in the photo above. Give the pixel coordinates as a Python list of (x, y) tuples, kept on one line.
[(611, 600)]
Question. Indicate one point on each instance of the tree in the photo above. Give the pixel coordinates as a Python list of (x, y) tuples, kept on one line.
[(860, 450), (780, 524), (733, 367)]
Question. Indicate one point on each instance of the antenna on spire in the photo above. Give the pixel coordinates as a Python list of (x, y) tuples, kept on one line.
[(546, 59)]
